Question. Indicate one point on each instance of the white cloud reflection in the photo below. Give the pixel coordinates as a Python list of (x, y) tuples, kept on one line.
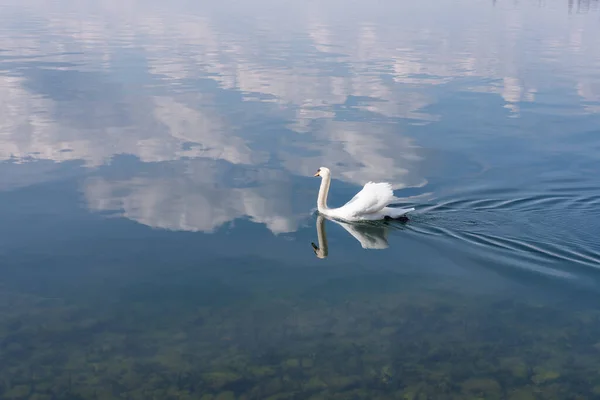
[(143, 95), (181, 203)]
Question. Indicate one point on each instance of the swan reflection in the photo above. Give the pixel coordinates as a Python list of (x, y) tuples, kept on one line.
[(372, 236)]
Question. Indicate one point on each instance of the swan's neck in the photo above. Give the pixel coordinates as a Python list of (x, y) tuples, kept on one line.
[(323, 191)]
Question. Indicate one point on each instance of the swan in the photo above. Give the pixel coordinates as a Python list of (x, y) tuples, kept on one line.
[(370, 204)]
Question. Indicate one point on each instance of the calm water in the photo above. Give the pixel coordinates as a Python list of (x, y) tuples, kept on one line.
[(157, 200)]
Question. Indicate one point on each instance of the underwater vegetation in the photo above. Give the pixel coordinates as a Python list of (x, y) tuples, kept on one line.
[(401, 342)]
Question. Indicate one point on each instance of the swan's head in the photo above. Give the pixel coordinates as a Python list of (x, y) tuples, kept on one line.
[(323, 172)]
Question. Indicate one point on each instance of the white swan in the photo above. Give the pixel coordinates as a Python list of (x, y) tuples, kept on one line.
[(370, 204)]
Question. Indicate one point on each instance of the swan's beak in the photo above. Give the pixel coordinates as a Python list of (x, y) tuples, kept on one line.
[(317, 174)]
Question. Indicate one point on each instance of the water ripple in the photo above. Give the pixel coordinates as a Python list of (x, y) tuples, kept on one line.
[(532, 202), (556, 228)]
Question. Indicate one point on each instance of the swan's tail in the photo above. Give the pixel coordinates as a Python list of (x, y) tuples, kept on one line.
[(394, 212)]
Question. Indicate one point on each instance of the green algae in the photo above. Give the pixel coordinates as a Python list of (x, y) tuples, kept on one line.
[(18, 392), (522, 394), (314, 383), (218, 379), (225, 396), (543, 375), (292, 363), (515, 366), (485, 388), (404, 346), (261, 371)]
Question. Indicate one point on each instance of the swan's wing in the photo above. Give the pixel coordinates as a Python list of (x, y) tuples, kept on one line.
[(373, 197)]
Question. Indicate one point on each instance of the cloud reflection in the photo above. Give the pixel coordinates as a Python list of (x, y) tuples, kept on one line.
[(180, 201), (278, 98)]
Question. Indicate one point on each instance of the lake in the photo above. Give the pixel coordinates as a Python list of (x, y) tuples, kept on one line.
[(158, 229)]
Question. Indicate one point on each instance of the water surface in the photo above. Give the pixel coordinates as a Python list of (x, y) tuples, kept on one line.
[(158, 238)]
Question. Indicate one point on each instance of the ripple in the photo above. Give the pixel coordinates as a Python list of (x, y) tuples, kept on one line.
[(532, 202), (549, 251), (524, 228)]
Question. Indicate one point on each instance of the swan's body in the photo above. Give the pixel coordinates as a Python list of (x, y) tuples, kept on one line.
[(370, 204)]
